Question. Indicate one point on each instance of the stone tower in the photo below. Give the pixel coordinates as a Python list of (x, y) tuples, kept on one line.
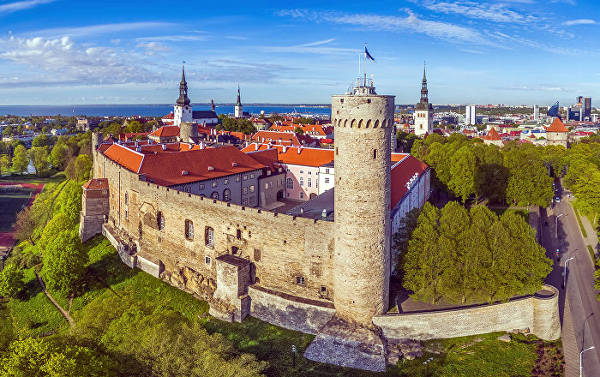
[(238, 109), (424, 111), (363, 122), (182, 111)]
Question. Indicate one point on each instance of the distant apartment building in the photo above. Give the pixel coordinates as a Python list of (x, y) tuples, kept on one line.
[(470, 115)]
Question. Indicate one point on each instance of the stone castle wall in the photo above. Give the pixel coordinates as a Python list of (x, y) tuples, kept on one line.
[(539, 314), (289, 254)]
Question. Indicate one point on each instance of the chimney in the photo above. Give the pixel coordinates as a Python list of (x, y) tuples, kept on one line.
[(256, 146), (211, 168), (299, 149), (184, 172), (284, 149), (234, 164), (164, 147)]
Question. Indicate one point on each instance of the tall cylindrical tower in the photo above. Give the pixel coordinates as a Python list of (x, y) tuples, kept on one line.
[(362, 121)]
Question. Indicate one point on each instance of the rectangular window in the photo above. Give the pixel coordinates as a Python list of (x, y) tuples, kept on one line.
[(245, 177), (309, 172), (301, 171), (251, 176), (257, 255), (226, 181), (207, 260), (309, 182), (251, 188), (301, 181), (209, 237), (189, 230), (245, 190), (300, 280), (201, 186), (238, 234), (245, 201), (266, 186), (327, 180), (301, 195), (327, 171), (237, 178), (214, 184), (316, 183)]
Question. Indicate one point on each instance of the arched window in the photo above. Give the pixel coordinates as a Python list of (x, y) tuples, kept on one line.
[(289, 183), (160, 221), (189, 229), (227, 195), (209, 237), (214, 195)]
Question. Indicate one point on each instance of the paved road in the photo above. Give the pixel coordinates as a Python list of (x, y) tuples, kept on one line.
[(580, 291)]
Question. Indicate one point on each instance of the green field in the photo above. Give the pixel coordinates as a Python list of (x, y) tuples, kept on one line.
[(10, 204)]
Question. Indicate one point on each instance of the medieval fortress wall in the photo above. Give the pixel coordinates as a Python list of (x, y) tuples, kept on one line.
[(320, 277)]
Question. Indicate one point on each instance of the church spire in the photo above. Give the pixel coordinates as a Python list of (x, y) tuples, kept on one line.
[(239, 100), (183, 99), (424, 91)]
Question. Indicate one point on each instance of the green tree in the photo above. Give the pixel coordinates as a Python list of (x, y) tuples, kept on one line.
[(39, 157), (68, 201), (83, 167), (4, 164), (59, 156), (57, 224), (54, 357), (64, 263), (462, 173), (27, 221), (7, 131), (11, 281), (42, 140), (20, 159)]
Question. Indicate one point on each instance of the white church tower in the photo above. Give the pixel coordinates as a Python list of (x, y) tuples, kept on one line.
[(238, 109), (424, 111), (182, 111)]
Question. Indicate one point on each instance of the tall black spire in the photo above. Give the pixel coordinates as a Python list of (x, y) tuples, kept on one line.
[(212, 105), (183, 99), (424, 91), (239, 100)]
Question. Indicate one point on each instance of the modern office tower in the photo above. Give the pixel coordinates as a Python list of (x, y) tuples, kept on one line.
[(470, 115)]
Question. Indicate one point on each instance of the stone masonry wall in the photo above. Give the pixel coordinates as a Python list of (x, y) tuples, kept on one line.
[(282, 248), (538, 314)]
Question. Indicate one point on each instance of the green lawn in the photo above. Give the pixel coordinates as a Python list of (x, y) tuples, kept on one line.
[(482, 355), (33, 179)]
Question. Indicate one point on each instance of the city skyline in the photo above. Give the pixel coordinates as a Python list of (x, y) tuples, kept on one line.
[(512, 51)]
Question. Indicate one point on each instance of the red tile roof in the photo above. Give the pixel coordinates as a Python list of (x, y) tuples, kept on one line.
[(276, 137), (314, 157), (557, 126), (166, 131), (96, 184), (401, 173), (492, 135), (169, 169), (169, 116)]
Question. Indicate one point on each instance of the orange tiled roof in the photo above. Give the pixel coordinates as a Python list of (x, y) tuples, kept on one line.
[(307, 156), (557, 126), (492, 135), (125, 157), (276, 137), (169, 116), (96, 184), (166, 131), (169, 169)]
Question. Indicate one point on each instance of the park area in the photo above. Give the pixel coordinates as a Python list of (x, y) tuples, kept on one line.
[(14, 196)]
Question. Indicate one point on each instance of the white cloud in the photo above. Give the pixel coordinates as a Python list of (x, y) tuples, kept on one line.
[(173, 38), (99, 29), (580, 21), (411, 23), (153, 48), (318, 43), (22, 5), (65, 62), (318, 47), (496, 12)]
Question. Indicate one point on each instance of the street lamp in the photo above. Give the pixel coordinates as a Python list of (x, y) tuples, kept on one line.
[(565, 273), (581, 358), (556, 224)]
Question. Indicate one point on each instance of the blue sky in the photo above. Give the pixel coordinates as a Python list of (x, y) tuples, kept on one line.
[(110, 51)]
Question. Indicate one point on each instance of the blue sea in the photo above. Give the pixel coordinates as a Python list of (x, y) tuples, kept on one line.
[(154, 110)]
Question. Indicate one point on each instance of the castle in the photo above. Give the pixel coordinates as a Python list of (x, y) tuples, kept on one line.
[(329, 278)]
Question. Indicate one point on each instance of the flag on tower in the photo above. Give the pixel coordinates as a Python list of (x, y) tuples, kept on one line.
[(367, 55)]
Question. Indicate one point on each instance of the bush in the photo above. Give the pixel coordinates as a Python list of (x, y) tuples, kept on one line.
[(11, 281)]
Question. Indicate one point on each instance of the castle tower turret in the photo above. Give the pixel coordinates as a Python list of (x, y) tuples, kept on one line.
[(424, 111), (363, 121)]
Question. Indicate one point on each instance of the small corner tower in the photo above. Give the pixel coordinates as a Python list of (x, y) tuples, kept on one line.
[(212, 105), (238, 109), (182, 112), (424, 111), (363, 121)]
